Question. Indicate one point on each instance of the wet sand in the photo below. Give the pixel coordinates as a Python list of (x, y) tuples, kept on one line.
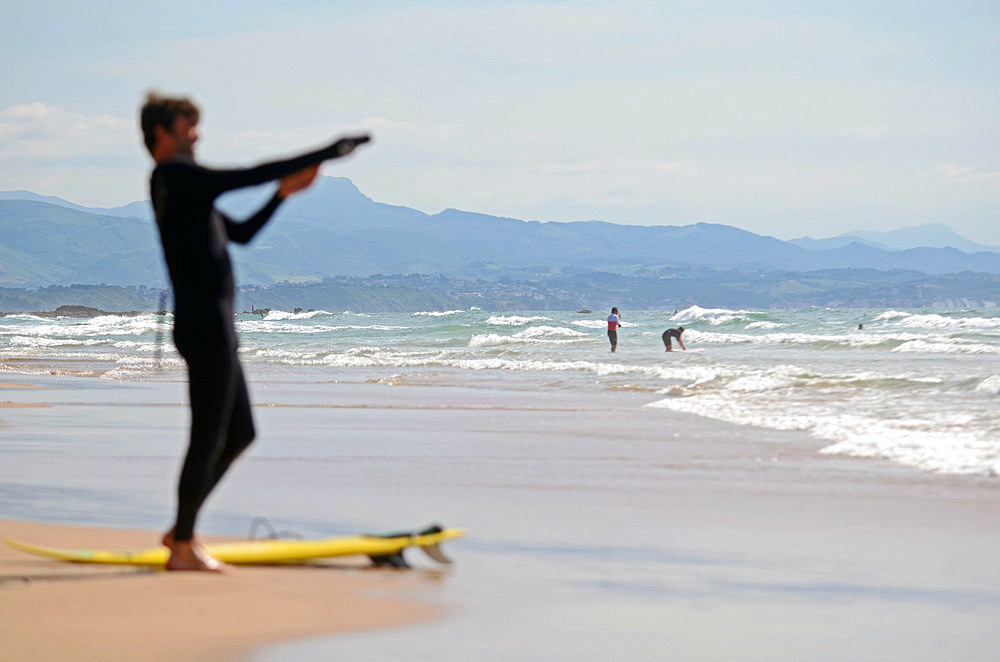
[(7, 404), (597, 528), (51, 610)]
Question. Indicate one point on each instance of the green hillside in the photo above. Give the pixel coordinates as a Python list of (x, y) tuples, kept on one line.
[(43, 244)]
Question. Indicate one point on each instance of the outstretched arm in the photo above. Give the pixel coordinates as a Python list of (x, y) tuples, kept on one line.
[(220, 181), (243, 232)]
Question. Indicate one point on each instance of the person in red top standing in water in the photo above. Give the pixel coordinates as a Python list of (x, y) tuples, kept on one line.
[(614, 321)]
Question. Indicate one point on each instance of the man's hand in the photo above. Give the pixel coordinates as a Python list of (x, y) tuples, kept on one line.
[(345, 146), (297, 181)]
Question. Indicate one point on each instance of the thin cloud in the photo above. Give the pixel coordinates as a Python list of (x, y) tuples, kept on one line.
[(42, 131), (881, 131), (962, 173)]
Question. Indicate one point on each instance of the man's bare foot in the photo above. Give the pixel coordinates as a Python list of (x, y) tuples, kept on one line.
[(189, 555)]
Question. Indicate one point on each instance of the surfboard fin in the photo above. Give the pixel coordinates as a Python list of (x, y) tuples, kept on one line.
[(434, 551)]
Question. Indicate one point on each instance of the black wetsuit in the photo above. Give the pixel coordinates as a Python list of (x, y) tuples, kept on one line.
[(194, 236), (669, 334)]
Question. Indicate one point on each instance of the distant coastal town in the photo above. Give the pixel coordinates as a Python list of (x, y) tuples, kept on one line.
[(665, 289)]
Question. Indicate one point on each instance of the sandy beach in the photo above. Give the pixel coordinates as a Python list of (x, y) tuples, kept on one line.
[(52, 610), (597, 528), (55, 610)]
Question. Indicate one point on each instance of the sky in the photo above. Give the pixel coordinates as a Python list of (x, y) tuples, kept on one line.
[(785, 118)]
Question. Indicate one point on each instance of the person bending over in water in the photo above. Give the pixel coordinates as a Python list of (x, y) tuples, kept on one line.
[(669, 334), (613, 324), (194, 236)]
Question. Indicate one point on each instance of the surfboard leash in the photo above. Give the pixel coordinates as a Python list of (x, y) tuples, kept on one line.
[(272, 534)]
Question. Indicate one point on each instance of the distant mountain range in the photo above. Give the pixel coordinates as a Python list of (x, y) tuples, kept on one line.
[(335, 230), (139, 209), (929, 235)]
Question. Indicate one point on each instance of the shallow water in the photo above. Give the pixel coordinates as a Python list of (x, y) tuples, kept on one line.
[(916, 387)]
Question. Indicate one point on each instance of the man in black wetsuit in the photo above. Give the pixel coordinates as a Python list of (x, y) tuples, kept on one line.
[(194, 236), (673, 333)]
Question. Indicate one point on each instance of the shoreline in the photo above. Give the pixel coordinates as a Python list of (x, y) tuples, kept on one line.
[(57, 610)]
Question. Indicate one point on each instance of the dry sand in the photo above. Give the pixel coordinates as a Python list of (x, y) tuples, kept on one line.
[(52, 610)]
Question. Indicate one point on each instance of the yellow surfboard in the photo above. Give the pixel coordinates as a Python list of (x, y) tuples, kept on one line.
[(384, 549)]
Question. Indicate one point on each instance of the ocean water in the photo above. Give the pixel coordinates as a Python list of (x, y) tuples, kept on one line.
[(918, 388)]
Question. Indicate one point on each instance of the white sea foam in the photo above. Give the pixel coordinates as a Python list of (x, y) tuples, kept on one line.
[(760, 382), (276, 354), (764, 325), (287, 325), (276, 315), (697, 312), (136, 346), (282, 327), (941, 322), (989, 385), (515, 320), (892, 314), (128, 367), (866, 414), (596, 368), (535, 334), (713, 316), (377, 357), (392, 380), (97, 326), (946, 346), (841, 339), (434, 313), (19, 317), (928, 445), (268, 326), (931, 444), (36, 342)]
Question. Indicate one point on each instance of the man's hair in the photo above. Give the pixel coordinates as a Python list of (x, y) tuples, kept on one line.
[(162, 111)]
